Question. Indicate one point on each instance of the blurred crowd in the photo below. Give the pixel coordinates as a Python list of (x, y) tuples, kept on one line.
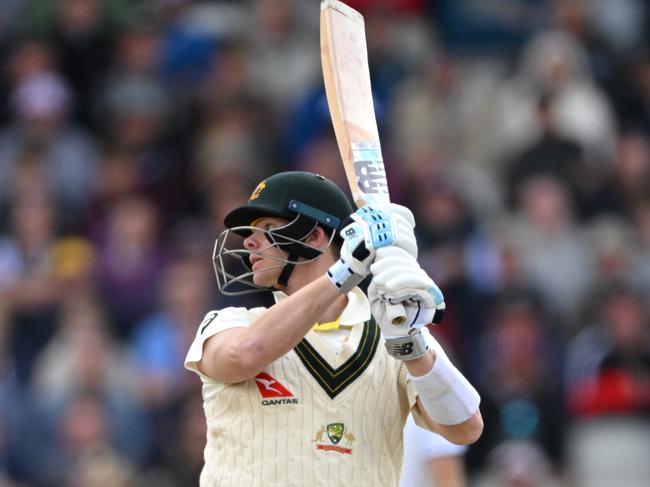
[(518, 132)]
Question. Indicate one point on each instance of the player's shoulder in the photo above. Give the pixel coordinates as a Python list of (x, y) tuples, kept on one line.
[(231, 314), (224, 313)]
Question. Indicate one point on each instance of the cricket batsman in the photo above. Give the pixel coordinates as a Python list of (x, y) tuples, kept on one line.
[(315, 390)]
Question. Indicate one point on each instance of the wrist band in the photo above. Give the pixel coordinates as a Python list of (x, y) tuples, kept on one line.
[(446, 395), (343, 277), (407, 347)]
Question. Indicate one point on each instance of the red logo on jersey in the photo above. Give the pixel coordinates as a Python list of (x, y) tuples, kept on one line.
[(269, 387)]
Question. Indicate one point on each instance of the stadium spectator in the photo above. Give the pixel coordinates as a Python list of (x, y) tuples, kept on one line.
[(515, 463), (85, 359), (520, 380), (552, 248), (28, 282), (40, 126), (555, 63), (551, 154), (640, 252), (130, 258), (628, 181), (159, 341), (608, 387)]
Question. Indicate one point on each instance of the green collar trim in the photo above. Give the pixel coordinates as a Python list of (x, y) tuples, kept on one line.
[(334, 381)]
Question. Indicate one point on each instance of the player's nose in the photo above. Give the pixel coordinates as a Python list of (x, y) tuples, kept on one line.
[(249, 244), (253, 240)]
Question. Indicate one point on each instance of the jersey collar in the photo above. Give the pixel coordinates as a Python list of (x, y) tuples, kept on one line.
[(355, 313)]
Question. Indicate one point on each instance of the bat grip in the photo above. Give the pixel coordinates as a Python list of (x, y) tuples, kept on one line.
[(396, 313)]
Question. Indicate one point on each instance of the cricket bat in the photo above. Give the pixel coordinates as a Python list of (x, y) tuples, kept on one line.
[(346, 73)]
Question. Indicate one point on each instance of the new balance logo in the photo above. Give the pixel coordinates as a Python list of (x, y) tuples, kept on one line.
[(371, 177), (403, 349), (351, 233), (270, 388)]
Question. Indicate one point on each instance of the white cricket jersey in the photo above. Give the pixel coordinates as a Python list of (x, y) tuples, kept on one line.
[(330, 412)]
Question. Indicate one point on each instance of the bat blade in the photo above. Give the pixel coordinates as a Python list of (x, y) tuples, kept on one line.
[(344, 55)]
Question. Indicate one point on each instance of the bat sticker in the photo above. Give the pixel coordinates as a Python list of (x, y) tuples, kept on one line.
[(369, 168)]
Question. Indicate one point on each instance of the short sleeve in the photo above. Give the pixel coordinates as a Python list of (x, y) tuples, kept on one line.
[(215, 322)]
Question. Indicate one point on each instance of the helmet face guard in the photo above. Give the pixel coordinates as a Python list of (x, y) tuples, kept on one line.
[(231, 259), (305, 200)]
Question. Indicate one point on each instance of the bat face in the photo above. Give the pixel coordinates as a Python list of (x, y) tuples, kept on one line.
[(349, 95)]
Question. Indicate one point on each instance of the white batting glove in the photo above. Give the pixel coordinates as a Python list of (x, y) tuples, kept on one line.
[(368, 229), (398, 281), (404, 223)]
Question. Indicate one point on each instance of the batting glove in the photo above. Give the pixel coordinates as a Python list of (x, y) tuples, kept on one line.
[(404, 224), (399, 283), (367, 229)]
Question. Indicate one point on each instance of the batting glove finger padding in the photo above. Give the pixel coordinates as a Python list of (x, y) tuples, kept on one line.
[(429, 301), (367, 229), (417, 316), (400, 211), (404, 223), (399, 279)]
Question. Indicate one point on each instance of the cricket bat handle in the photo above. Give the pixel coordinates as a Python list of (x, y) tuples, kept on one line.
[(396, 313)]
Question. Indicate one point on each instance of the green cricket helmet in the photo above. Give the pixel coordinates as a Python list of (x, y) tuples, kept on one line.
[(305, 200), (292, 193)]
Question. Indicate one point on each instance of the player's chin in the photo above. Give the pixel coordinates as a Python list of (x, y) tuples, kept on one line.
[(265, 276)]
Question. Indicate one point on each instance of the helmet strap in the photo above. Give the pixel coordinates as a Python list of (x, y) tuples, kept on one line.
[(283, 279)]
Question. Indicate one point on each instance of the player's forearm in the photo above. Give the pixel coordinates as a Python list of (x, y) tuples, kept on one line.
[(421, 365), (465, 433), (447, 400), (284, 324)]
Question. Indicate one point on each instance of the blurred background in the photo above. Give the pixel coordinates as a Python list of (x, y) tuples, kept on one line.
[(516, 130)]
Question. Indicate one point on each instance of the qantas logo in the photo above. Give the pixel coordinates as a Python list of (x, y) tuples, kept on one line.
[(269, 387), (272, 391)]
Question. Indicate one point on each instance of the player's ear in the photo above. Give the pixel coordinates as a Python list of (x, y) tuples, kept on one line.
[(318, 237)]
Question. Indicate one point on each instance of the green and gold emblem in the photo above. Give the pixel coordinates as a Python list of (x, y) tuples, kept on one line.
[(258, 190), (335, 432)]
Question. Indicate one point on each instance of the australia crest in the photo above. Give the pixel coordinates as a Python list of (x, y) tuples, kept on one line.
[(334, 437)]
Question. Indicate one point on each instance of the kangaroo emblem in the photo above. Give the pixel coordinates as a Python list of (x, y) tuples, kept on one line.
[(319, 434)]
